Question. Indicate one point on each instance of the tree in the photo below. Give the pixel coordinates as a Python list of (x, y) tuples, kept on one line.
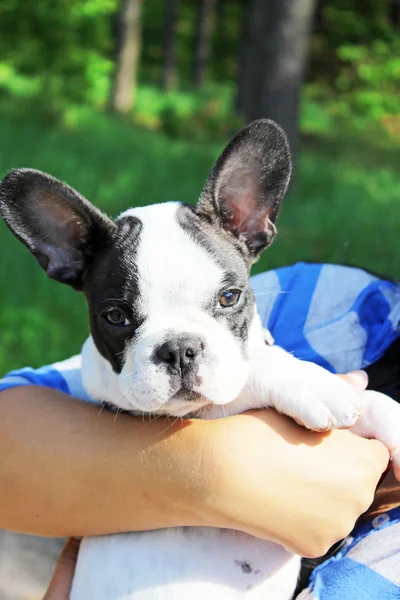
[(276, 37), (250, 67), (128, 50), (203, 39), (394, 12), (171, 15)]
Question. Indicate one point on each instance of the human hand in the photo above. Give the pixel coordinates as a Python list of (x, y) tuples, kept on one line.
[(276, 480), (61, 582), (380, 420)]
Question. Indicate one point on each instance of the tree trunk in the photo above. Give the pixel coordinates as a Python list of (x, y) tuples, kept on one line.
[(273, 71), (171, 15), (203, 39), (319, 15), (250, 67), (394, 13), (128, 50)]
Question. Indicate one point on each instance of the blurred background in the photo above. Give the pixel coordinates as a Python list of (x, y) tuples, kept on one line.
[(130, 102)]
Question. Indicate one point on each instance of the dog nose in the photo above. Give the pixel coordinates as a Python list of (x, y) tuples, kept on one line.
[(181, 354)]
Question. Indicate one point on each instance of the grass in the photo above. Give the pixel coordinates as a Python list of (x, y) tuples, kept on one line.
[(344, 208)]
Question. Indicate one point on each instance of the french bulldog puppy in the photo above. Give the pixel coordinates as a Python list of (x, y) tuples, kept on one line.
[(175, 331)]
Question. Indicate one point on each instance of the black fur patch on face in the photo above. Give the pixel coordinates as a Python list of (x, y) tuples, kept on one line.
[(111, 283), (232, 258)]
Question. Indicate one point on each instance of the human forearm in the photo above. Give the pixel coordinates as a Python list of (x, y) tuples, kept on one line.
[(69, 469)]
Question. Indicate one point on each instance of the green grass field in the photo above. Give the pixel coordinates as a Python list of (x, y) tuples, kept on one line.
[(343, 208)]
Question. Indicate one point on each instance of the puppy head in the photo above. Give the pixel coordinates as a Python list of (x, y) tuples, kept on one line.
[(170, 303)]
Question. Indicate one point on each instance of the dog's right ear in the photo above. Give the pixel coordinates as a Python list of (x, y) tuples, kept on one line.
[(245, 189), (62, 230)]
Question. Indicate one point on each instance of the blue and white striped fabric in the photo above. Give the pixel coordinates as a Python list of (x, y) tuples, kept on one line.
[(339, 317), (366, 568), (64, 376), (343, 319)]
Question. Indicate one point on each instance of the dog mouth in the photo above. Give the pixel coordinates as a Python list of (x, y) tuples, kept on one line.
[(185, 395), (185, 403)]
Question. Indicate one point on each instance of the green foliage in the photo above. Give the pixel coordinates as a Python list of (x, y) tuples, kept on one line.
[(226, 40), (196, 117), (344, 208), (59, 50), (370, 79), (58, 53), (356, 60), (354, 21)]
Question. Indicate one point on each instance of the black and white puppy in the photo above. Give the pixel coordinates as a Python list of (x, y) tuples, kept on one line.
[(175, 331)]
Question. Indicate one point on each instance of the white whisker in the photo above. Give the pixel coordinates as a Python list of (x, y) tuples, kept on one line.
[(272, 293), (128, 375), (170, 425), (101, 409), (118, 411)]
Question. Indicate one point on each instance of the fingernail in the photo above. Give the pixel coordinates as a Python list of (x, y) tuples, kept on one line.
[(360, 377)]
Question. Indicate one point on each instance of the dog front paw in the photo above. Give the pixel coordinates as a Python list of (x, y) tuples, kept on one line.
[(316, 399), (381, 421)]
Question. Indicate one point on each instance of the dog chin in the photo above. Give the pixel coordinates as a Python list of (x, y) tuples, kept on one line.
[(184, 403), (184, 409)]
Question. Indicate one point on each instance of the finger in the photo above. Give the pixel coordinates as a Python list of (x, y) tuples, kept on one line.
[(396, 464), (357, 379), (61, 583), (378, 455)]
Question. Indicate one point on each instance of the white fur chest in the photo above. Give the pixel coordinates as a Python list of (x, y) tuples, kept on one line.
[(189, 563), (182, 564)]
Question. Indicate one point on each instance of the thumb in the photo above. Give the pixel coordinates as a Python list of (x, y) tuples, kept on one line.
[(61, 583), (356, 379)]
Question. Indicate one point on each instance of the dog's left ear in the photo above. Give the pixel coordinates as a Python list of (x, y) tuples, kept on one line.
[(245, 189), (63, 231)]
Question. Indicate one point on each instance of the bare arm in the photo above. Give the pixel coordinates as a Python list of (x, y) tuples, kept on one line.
[(67, 469), (70, 469)]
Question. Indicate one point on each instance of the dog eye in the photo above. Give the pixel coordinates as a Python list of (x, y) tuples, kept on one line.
[(229, 298), (116, 318)]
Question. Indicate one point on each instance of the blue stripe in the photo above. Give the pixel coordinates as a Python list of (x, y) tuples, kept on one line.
[(367, 528), (347, 579), (373, 311), (45, 376), (289, 314), (7, 385)]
